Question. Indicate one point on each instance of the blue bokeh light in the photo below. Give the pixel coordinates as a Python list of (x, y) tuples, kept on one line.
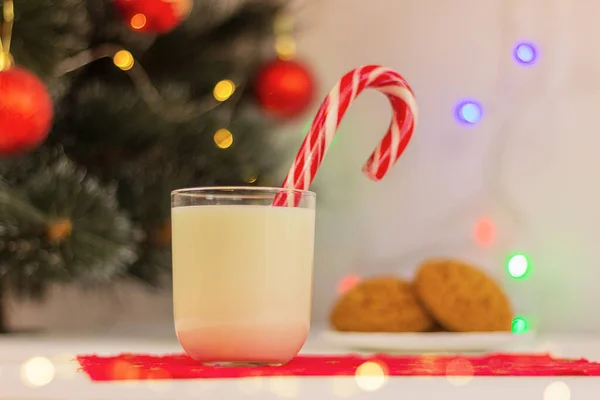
[(469, 112), (525, 53)]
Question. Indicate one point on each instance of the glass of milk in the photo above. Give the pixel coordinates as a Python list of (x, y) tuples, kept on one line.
[(242, 274)]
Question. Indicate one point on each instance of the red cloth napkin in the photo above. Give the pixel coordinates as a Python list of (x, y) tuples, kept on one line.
[(179, 366)]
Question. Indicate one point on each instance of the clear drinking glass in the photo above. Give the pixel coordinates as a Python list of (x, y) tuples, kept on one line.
[(242, 273)]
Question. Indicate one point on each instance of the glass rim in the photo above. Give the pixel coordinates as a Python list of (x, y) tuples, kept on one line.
[(249, 189)]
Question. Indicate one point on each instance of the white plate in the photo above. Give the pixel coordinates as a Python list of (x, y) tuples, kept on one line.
[(439, 342)]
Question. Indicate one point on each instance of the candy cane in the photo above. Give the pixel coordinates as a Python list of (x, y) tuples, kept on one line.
[(329, 117)]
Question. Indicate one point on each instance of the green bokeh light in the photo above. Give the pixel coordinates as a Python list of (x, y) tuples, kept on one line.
[(518, 265), (519, 325)]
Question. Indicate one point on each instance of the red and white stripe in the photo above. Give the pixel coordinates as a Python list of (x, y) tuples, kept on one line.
[(329, 117)]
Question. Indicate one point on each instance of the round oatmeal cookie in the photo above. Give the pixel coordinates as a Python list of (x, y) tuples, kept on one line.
[(461, 297), (381, 304)]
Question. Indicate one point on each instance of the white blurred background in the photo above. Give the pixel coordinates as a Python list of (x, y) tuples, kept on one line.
[(529, 167)]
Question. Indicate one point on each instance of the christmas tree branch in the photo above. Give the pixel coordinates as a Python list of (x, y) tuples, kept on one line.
[(99, 209), (178, 113), (13, 204)]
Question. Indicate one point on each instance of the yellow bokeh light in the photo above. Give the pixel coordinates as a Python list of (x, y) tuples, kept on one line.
[(557, 391), (138, 21), (223, 90), (285, 46), (37, 372), (223, 138), (124, 60), (250, 175), (371, 376), (459, 372)]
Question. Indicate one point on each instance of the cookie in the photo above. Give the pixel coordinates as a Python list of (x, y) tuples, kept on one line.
[(382, 304), (461, 297)]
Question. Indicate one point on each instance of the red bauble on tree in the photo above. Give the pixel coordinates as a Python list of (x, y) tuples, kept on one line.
[(285, 89), (26, 111), (154, 16)]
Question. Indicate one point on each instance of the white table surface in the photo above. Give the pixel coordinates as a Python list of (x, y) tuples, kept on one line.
[(67, 383)]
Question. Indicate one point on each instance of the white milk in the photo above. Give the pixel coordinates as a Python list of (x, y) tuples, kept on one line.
[(242, 280)]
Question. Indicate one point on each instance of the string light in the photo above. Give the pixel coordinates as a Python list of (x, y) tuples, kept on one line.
[(250, 175), (469, 112), (124, 60), (285, 44), (177, 112), (519, 326), (558, 390), (371, 376), (223, 90), (285, 47), (138, 21), (494, 194), (525, 53), (347, 283), (223, 138), (37, 372), (484, 232), (459, 372), (518, 266)]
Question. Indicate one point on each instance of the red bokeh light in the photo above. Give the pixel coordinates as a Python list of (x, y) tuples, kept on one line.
[(138, 21), (484, 232), (348, 283)]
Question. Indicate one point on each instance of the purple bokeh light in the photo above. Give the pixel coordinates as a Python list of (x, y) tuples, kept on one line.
[(525, 53), (469, 112)]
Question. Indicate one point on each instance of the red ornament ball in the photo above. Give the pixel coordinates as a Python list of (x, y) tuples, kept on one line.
[(26, 111), (285, 89), (153, 16)]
